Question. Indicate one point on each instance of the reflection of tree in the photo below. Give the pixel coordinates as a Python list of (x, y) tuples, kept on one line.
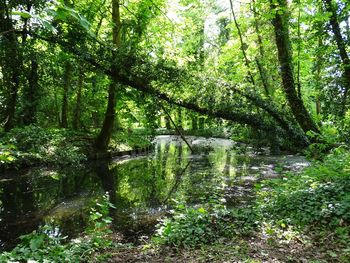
[(163, 163), (153, 197), (108, 181), (17, 198), (179, 156), (176, 184), (179, 170), (18, 212), (227, 166)]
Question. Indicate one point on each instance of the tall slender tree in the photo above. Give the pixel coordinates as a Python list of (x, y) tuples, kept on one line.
[(332, 8), (281, 27)]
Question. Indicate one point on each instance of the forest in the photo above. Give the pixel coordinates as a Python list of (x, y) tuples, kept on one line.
[(174, 131)]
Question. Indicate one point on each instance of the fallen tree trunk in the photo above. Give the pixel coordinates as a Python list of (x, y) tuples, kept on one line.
[(129, 72)]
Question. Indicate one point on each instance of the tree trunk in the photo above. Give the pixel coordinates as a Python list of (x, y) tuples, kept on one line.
[(262, 70), (243, 46), (296, 104), (167, 123), (299, 51), (179, 119), (77, 110), (105, 134), (11, 64), (194, 120), (318, 67), (31, 94), (66, 85), (332, 9)]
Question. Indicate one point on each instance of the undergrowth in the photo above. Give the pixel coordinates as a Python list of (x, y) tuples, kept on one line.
[(195, 226), (34, 145), (312, 207), (44, 245)]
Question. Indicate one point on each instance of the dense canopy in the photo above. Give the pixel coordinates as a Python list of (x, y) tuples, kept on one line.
[(278, 67), (266, 82)]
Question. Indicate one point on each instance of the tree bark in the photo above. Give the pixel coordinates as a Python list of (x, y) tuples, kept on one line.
[(11, 64), (332, 9), (66, 85), (105, 134), (77, 110), (31, 94), (280, 23)]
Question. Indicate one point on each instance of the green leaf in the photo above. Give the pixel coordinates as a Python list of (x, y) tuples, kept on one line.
[(202, 210), (36, 242), (48, 26), (23, 14)]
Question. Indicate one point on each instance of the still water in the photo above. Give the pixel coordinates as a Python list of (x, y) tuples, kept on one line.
[(141, 188)]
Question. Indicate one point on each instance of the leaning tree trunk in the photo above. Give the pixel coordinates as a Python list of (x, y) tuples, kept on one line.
[(296, 104), (105, 134), (332, 9)]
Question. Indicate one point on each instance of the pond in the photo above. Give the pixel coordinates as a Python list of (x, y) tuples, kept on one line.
[(142, 188)]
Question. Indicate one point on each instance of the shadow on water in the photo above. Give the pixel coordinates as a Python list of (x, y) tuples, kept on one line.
[(142, 188)]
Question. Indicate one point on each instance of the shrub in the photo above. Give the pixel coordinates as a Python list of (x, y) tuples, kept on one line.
[(37, 145), (195, 226), (44, 245), (318, 196)]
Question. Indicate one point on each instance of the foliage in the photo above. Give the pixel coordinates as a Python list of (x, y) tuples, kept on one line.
[(329, 137), (100, 221), (8, 153), (44, 245), (318, 197), (196, 226), (129, 140), (50, 146)]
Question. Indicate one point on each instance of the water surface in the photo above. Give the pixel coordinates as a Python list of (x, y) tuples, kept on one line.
[(141, 188)]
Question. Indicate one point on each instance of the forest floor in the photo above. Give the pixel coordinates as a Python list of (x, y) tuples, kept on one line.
[(249, 249)]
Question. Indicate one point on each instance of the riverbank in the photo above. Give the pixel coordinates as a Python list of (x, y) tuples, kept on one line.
[(291, 217), (34, 146), (294, 218)]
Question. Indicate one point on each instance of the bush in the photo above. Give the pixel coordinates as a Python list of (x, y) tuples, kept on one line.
[(38, 145), (44, 245), (319, 196), (196, 226)]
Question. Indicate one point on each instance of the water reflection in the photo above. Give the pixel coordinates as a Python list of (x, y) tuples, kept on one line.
[(141, 189)]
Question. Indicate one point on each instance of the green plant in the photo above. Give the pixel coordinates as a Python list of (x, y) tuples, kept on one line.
[(33, 144), (43, 245), (329, 136), (318, 196), (100, 222), (8, 153), (195, 226)]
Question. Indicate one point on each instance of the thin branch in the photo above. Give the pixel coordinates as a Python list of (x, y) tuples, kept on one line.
[(247, 62)]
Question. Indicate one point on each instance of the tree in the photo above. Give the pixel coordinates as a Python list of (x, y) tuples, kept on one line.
[(11, 63), (104, 136), (332, 8), (280, 23)]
